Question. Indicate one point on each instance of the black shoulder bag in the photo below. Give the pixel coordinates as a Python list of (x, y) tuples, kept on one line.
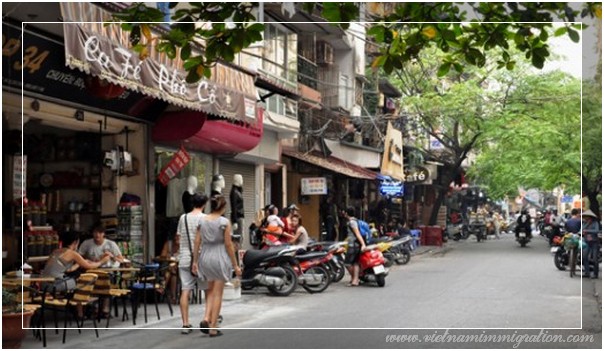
[(190, 247)]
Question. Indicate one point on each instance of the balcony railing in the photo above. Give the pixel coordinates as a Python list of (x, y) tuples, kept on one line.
[(307, 72)]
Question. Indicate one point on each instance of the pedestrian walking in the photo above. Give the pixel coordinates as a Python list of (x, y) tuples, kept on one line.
[(188, 229), (497, 224), (215, 262)]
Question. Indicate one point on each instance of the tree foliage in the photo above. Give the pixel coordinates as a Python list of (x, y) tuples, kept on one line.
[(401, 40), (536, 141)]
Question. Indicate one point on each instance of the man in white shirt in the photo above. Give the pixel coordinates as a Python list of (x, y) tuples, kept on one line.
[(94, 249)]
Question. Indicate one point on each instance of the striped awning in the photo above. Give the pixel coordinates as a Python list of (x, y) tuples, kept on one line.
[(98, 47), (332, 164)]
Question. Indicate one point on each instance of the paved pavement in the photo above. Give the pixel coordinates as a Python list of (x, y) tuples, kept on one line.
[(493, 284)]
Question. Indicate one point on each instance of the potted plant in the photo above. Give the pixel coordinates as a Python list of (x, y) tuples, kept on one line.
[(12, 315)]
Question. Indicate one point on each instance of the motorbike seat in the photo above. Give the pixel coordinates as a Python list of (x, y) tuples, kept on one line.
[(311, 255), (252, 257)]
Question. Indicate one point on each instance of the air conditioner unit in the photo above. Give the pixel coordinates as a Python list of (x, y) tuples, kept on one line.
[(324, 53)]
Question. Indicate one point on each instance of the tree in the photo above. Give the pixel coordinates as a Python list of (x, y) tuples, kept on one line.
[(454, 110), (591, 177), (400, 40), (536, 142)]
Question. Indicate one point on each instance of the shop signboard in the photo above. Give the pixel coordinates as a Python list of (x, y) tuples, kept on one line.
[(314, 186), (95, 50), (176, 164), (417, 174), (390, 187), (566, 199), (392, 159), (19, 176), (44, 73)]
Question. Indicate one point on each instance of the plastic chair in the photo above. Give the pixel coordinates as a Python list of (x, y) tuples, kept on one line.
[(149, 279)]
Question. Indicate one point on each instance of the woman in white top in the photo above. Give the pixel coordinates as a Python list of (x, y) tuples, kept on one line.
[(300, 237)]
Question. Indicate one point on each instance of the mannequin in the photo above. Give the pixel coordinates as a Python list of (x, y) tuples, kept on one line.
[(236, 197), (187, 196), (217, 184)]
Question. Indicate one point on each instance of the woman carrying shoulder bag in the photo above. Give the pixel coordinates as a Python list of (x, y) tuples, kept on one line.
[(188, 229)]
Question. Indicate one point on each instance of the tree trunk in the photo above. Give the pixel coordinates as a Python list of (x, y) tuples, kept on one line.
[(436, 208)]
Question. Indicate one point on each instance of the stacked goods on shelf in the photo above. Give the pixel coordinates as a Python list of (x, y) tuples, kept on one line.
[(130, 228)]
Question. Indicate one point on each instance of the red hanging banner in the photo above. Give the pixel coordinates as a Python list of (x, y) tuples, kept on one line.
[(176, 164)]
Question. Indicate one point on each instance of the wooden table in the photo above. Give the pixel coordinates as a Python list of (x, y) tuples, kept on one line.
[(34, 278)]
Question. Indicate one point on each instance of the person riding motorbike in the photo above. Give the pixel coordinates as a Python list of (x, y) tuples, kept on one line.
[(523, 223)]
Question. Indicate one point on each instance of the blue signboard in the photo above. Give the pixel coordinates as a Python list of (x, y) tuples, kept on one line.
[(392, 188), (567, 199)]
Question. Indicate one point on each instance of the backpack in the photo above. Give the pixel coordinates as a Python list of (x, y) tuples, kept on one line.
[(364, 230)]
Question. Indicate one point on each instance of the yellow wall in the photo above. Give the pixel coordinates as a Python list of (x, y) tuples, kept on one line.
[(310, 211)]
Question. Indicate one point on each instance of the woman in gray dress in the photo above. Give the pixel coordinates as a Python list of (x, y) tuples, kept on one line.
[(216, 261)]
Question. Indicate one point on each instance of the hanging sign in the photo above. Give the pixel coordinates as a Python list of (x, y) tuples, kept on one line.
[(176, 164), (391, 188), (19, 175), (417, 175), (314, 186), (392, 159)]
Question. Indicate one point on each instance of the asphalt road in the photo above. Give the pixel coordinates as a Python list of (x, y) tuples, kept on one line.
[(494, 284)]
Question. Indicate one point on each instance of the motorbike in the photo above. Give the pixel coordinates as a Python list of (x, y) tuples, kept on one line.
[(395, 249), (336, 263), (271, 268), (523, 238), (372, 266), (562, 250), (457, 231), (311, 270)]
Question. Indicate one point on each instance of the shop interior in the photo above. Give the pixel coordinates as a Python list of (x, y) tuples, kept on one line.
[(69, 185)]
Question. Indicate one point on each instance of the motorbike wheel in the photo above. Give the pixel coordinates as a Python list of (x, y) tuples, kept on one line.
[(290, 285), (381, 280), (456, 237), (405, 257), (325, 279), (523, 244), (559, 260), (338, 271), (388, 259)]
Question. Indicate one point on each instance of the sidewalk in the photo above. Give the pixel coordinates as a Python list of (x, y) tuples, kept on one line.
[(117, 326)]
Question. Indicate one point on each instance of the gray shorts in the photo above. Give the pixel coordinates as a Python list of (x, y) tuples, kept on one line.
[(187, 280)]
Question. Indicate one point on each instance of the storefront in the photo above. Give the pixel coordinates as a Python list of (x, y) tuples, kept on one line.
[(68, 121), (312, 178)]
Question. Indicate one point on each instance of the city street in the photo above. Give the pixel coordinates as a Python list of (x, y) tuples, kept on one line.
[(493, 284)]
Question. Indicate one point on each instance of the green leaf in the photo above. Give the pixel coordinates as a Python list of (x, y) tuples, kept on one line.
[(256, 27), (574, 35), (185, 51), (444, 69), (560, 31), (458, 67), (171, 50), (538, 61), (510, 65)]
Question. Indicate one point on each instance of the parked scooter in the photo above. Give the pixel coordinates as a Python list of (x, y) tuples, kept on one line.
[(396, 250), (457, 231), (336, 263), (271, 268), (312, 272), (372, 266)]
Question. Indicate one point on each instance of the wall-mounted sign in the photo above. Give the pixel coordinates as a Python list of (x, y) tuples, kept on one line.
[(19, 175), (392, 159), (314, 186), (417, 175), (176, 164), (392, 188)]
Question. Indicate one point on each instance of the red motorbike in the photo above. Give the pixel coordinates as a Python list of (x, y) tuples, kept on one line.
[(372, 266), (312, 270)]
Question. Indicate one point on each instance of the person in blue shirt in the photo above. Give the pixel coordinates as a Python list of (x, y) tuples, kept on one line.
[(573, 225)]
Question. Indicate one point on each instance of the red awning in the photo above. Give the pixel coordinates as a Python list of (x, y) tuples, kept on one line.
[(213, 136), (332, 164)]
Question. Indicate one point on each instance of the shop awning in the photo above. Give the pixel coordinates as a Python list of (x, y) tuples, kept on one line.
[(332, 164), (103, 50)]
